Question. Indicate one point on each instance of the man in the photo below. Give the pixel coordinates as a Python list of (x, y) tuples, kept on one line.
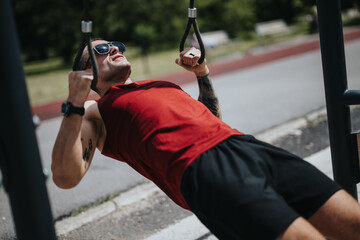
[(239, 187)]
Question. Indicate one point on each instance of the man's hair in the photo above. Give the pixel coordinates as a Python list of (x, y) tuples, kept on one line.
[(80, 61)]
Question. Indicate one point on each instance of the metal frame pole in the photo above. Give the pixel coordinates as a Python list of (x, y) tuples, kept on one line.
[(335, 80), (20, 159)]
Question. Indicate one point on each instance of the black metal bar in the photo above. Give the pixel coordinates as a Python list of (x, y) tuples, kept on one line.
[(335, 80), (352, 97), (25, 183), (355, 146)]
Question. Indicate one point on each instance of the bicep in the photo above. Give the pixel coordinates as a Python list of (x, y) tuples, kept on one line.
[(89, 140)]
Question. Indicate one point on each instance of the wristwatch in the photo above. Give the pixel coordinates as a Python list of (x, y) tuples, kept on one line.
[(67, 108)]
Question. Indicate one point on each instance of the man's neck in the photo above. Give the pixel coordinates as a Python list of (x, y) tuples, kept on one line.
[(105, 89), (128, 81)]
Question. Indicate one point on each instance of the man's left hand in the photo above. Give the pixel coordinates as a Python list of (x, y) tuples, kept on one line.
[(189, 60)]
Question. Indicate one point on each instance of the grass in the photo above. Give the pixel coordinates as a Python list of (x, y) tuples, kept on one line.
[(47, 87), (47, 81)]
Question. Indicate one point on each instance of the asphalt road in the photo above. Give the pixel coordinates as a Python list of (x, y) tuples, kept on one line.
[(252, 100), (261, 97)]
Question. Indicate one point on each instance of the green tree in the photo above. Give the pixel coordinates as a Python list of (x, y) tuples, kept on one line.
[(47, 28), (31, 34), (266, 10), (239, 16), (52, 28), (234, 16)]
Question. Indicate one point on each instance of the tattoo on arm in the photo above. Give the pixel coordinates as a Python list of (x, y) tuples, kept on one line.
[(87, 153), (208, 96)]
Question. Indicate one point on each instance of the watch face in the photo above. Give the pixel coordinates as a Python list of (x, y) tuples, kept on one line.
[(65, 108)]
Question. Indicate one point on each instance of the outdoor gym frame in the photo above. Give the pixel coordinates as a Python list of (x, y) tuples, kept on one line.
[(343, 143), (20, 163), (19, 155)]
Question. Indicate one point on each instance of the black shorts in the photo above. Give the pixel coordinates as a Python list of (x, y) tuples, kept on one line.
[(247, 189)]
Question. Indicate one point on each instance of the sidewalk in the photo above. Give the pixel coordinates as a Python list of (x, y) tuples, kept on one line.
[(191, 228), (188, 226), (258, 56)]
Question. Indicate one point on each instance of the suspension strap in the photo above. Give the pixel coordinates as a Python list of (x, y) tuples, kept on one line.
[(192, 21), (86, 29)]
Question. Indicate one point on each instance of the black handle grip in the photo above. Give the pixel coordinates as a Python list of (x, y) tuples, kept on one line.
[(192, 21), (86, 40)]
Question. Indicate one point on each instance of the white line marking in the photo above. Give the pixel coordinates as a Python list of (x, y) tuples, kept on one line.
[(188, 228)]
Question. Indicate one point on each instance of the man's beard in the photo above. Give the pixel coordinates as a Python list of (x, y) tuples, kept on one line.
[(122, 74)]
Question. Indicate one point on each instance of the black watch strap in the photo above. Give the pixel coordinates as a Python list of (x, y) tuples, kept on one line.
[(67, 108)]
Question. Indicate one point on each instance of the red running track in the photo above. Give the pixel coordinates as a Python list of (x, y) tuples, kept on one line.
[(51, 110)]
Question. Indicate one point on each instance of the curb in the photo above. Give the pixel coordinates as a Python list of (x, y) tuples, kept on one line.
[(125, 199), (290, 127), (142, 191)]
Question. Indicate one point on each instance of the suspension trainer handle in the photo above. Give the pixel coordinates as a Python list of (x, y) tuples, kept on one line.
[(192, 12), (86, 29)]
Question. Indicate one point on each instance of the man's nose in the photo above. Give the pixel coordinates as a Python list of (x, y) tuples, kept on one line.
[(114, 50)]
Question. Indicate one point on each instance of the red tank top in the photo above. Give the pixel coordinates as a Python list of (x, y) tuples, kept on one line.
[(159, 130)]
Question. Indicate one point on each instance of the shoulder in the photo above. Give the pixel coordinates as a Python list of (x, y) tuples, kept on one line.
[(93, 120), (91, 110), (92, 113)]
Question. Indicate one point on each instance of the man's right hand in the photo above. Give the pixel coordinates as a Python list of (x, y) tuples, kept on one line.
[(79, 86)]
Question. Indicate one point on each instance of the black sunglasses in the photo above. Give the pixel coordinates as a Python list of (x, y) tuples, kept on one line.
[(104, 48)]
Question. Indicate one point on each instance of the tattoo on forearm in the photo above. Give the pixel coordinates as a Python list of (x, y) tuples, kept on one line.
[(208, 96), (87, 153)]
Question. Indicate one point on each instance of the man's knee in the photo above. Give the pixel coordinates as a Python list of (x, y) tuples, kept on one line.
[(301, 229), (339, 217)]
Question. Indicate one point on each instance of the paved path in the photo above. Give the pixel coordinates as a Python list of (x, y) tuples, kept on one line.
[(258, 98), (144, 212)]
